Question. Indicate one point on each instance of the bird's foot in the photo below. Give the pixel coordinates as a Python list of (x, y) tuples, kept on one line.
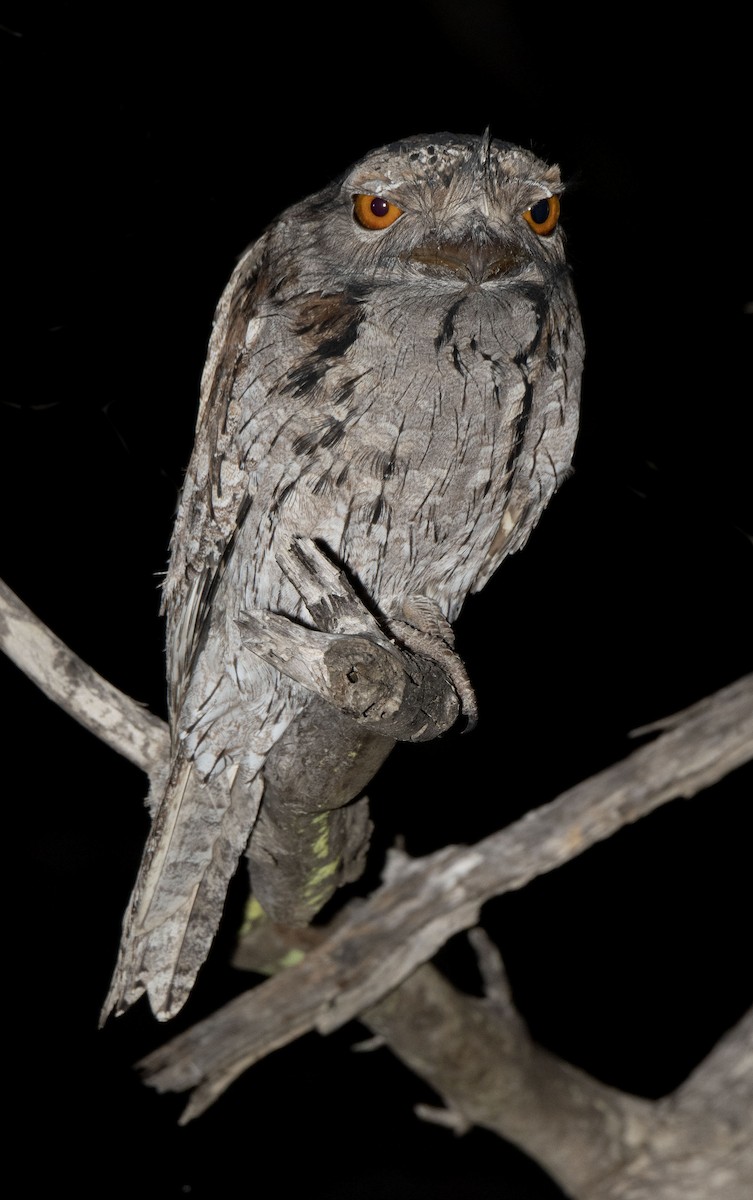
[(425, 630)]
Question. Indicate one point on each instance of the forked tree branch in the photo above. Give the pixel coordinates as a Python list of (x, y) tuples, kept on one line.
[(598, 1143), (424, 902)]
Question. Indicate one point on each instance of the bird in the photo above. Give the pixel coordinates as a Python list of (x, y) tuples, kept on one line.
[(394, 373)]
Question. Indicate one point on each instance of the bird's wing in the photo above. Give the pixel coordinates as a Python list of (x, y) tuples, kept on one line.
[(197, 836), (215, 494), (200, 827)]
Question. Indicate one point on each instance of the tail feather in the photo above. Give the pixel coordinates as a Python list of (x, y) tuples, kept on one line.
[(198, 834)]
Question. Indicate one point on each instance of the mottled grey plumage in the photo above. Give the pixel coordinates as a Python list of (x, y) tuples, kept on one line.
[(406, 395)]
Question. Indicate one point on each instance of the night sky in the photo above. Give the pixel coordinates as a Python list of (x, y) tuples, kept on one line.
[(142, 154)]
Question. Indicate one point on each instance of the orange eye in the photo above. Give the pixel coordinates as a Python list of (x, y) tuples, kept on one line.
[(543, 215), (374, 212)]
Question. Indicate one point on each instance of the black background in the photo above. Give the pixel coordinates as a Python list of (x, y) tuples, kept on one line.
[(143, 150)]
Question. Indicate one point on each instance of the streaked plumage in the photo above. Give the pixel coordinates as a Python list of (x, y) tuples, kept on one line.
[(405, 394)]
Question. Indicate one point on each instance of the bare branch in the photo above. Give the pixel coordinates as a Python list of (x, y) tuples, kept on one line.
[(386, 690), (483, 1064), (723, 1083), (117, 720), (596, 1142), (599, 1144), (348, 660), (424, 902)]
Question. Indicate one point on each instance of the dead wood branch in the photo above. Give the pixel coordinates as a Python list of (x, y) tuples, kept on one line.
[(598, 1143), (118, 721), (347, 659), (424, 902)]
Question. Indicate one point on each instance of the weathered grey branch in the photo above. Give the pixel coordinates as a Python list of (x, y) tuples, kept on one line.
[(422, 903), (385, 690), (117, 720), (598, 1143), (348, 660), (366, 692), (312, 834), (724, 1080)]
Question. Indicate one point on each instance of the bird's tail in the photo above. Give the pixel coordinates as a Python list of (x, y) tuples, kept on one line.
[(198, 834)]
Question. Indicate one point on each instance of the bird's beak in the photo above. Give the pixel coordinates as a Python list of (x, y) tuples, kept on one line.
[(473, 261)]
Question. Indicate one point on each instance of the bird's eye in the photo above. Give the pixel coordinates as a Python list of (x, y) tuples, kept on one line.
[(543, 215), (374, 212)]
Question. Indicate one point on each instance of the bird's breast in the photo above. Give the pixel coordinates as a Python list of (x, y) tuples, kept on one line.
[(397, 454)]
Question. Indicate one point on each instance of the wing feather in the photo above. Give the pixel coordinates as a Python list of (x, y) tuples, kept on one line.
[(210, 512), (200, 827)]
